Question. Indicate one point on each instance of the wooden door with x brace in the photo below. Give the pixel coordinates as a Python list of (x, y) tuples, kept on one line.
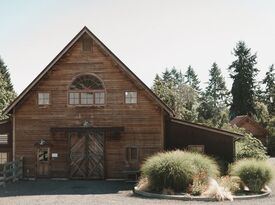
[(86, 155)]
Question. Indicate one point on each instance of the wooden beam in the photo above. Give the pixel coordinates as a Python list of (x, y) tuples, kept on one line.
[(79, 129)]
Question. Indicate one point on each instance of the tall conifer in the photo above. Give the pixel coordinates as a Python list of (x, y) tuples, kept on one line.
[(243, 73)]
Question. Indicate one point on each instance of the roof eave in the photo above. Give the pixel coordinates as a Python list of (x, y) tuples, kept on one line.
[(224, 132)]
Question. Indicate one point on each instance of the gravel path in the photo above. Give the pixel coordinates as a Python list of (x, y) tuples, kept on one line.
[(76, 192)]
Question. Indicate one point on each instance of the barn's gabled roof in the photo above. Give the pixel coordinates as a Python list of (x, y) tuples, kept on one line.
[(108, 52)]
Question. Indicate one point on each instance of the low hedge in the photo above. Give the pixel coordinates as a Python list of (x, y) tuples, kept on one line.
[(176, 170), (255, 174)]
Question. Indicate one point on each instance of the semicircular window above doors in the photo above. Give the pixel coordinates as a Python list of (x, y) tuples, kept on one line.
[(86, 90)]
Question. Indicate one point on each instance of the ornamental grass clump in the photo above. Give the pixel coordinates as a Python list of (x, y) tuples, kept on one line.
[(175, 170), (255, 174)]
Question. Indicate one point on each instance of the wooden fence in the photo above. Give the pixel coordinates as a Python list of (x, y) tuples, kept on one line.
[(11, 171)]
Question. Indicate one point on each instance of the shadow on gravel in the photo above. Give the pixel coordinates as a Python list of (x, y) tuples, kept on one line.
[(55, 187)]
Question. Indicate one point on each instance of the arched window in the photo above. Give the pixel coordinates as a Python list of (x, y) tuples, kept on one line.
[(86, 90)]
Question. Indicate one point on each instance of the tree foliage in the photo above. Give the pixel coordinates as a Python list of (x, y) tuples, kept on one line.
[(243, 73), (248, 146), (192, 78), (181, 98), (7, 94), (261, 113), (216, 87), (213, 107), (6, 76), (269, 93), (271, 136)]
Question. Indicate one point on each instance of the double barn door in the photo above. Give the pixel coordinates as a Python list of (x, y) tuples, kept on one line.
[(86, 155)]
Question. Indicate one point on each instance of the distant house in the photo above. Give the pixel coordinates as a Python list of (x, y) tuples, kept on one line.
[(88, 116), (251, 126)]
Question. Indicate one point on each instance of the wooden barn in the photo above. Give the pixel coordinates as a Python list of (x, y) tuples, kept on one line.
[(251, 126), (87, 116), (5, 141)]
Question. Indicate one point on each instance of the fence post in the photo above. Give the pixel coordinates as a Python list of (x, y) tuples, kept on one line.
[(14, 171), (4, 175), (21, 166)]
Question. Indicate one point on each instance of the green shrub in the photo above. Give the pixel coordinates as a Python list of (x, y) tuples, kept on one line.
[(250, 147), (175, 170), (253, 173)]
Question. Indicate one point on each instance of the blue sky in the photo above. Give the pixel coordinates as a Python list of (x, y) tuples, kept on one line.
[(146, 35)]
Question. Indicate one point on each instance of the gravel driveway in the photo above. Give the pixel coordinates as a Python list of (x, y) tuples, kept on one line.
[(76, 192)]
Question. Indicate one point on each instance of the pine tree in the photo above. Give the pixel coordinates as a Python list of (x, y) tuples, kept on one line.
[(269, 93), (192, 78), (216, 86), (243, 73), (6, 75), (212, 109), (7, 94)]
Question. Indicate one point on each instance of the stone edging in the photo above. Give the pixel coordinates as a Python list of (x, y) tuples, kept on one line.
[(188, 197)]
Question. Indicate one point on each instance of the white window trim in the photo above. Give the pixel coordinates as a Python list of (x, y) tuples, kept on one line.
[(93, 104), (4, 135), (7, 157), (131, 98), (43, 99)]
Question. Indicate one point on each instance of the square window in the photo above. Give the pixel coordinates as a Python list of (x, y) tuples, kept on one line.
[(73, 98), (130, 97), (43, 98), (43, 155), (99, 98), (132, 154), (196, 148), (86, 98), (3, 157), (3, 138)]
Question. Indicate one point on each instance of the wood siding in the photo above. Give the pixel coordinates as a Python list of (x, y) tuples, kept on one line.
[(6, 128), (142, 122), (251, 126), (179, 136)]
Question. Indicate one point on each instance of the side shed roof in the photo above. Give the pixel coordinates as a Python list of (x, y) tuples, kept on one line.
[(222, 132)]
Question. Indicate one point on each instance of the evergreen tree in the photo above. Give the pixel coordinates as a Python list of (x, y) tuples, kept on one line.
[(243, 73), (192, 78), (212, 109), (6, 75), (216, 86), (7, 94), (173, 76), (269, 93), (271, 136)]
